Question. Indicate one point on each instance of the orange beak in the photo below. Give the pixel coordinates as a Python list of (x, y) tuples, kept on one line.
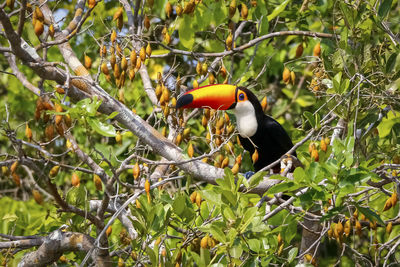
[(218, 96)]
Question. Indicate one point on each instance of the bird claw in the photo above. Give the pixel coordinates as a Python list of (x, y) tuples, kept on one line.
[(248, 174)]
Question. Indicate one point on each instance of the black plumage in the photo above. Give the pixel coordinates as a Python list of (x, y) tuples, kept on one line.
[(271, 139)]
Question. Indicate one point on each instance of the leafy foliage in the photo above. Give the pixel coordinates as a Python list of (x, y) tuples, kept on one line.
[(339, 102)]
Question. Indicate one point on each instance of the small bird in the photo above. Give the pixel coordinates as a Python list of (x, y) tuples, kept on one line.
[(256, 130)]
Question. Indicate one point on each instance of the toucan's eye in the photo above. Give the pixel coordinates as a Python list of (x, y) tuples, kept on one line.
[(241, 96)]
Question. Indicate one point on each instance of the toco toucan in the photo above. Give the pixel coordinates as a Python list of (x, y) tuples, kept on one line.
[(256, 130)]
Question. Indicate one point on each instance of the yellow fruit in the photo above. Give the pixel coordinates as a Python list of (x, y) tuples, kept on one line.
[(138, 63), (204, 242), (97, 182), (164, 131), (195, 84), (193, 197), (118, 13), (232, 8), (51, 30), (17, 179), (211, 78), (254, 157), (60, 90), (339, 228), (5, 171), (204, 68), (388, 204), (109, 231), (347, 228), (286, 75), (178, 139), (148, 50), (28, 132), (113, 36), (190, 150), (225, 162), (88, 62), (118, 138), (117, 72), (131, 74), (168, 9), (147, 186), (146, 22), (299, 50), (91, 3), (14, 166), (132, 58), (358, 228), (124, 63), (223, 72), (10, 4), (315, 155), (292, 77), (204, 121), (37, 196), (63, 259), (279, 239), (38, 14), (238, 159), (136, 170), (75, 181), (323, 145), (121, 262), (138, 206), (235, 168), (317, 50), (54, 171), (280, 249), (198, 199), (389, 228), (142, 54), (39, 28), (228, 41), (104, 68), (394, 199), (244, 12)]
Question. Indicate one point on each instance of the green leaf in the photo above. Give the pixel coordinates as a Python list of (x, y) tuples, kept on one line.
[(305, 100), (310, 118), (89, 105), (10, 217), (248, 217), (387, 124), (264, 25), (102, 128), (384, 8), (336, 82), (186, 32), (278, 10), (299, 175), (292, 254), (371, 215), (347, 14), (256, 178), (254, 245), (179, 205), (217, 233), (391, 62), (282, 187), (112, 115)]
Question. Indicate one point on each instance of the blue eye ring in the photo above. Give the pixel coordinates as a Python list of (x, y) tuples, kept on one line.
[(241, 96)]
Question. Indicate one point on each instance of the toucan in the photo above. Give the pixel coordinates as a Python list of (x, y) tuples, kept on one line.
[(256, 130)]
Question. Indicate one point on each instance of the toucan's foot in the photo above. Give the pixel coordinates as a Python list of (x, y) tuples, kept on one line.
[(248, 174)]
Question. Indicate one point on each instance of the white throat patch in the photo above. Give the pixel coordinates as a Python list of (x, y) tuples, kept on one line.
[(246, 119)]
